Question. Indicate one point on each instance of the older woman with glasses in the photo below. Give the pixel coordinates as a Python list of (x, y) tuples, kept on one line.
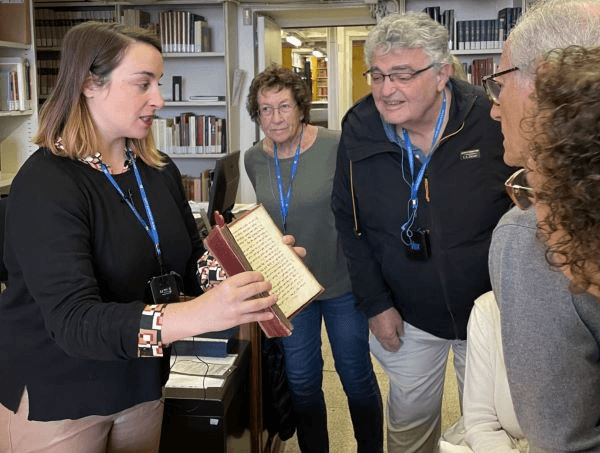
[(292, 171), (550, 112)]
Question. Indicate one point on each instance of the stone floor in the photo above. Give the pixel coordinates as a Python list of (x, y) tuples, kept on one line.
[(341, 437)]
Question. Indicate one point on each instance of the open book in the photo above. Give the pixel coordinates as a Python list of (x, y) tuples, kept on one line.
[(253, 242)]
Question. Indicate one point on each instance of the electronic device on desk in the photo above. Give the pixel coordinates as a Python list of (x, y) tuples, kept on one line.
[(224, 187), (210, 344)]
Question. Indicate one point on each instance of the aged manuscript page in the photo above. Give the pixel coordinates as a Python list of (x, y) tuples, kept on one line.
[(260, 240)]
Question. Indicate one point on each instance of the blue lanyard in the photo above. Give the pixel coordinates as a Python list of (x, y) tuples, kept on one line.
[(151, 230), (413, 202), (284, 203)]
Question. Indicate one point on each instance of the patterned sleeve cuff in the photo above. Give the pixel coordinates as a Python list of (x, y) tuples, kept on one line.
[(209, 272), (149, 336)]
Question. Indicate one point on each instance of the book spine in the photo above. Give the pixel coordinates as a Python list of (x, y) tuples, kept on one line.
[(163, 30), (451, 30), (170, 31), (215, 242), (192, 133)]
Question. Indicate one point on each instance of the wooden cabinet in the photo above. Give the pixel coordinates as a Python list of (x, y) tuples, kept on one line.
[(17, 127)]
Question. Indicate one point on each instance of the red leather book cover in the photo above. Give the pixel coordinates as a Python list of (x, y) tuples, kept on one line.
[(223, 247)]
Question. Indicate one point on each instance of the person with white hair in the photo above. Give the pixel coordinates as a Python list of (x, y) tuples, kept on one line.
[(546, 98), (417, 192)]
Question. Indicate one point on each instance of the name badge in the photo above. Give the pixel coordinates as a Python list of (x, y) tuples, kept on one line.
[(469, 154)]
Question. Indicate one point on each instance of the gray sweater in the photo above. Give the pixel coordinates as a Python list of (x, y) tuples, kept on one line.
[(310, 218), (551, 341)]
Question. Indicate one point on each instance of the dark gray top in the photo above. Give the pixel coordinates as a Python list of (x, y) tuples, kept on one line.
[(310, 218), (551, 341)]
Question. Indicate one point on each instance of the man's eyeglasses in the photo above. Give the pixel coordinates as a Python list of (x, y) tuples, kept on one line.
[(377, 78), (518, 189), (492, 87), (266, 111)]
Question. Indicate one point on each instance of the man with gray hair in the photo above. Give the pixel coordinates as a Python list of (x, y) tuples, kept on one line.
[(551, 336), (417, 192)]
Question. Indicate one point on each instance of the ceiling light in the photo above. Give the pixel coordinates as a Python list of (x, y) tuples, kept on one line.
[(293, 40), (317, 53)]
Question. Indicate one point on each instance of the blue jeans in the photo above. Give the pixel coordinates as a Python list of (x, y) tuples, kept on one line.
[(348, 333)]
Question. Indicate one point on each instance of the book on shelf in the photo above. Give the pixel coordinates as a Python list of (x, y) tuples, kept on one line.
[(253, 242), (478, 34), (197, 188), (433, 12), (183, 32), (52, 25), (480, 68), (206, 98), (15, 94), (448, 22), (135, 18), (190, 134), (507, 18), (202, 37)]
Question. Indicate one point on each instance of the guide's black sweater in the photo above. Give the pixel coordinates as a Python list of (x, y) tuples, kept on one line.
[(78, 262)]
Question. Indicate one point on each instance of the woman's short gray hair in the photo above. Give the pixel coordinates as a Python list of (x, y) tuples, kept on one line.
[(408, 30)]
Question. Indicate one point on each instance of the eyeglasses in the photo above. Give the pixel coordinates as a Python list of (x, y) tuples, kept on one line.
[(377, 78), (266, 111), (492, 87), (519, 191)]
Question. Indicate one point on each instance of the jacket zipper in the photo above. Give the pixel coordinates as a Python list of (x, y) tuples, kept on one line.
[(437, 262)]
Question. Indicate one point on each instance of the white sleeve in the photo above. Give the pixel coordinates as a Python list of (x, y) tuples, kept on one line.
[(483, 430)]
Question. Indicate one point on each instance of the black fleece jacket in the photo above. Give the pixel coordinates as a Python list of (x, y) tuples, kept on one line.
[(466, 199)]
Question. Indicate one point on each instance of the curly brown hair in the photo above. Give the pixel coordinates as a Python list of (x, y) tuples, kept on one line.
[(566, 152), (275, 77)]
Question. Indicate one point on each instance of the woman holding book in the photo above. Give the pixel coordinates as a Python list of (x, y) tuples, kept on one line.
[(292, 170), (99, 241)]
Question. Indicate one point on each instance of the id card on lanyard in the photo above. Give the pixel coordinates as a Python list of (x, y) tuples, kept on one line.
[(417, 240)]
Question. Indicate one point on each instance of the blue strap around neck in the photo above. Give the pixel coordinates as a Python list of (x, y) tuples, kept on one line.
[(150, 229), (284, 203), (413, 202)]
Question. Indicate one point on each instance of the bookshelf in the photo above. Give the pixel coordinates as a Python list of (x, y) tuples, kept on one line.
[(51, 23), (17, 126), (475, 29), (321, 91), (205, 69)]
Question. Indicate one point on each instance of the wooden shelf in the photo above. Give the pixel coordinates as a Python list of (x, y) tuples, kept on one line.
[(184, 104), (194, 55), (14, 45), (478, 52), (16, 113), (197, 156)]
